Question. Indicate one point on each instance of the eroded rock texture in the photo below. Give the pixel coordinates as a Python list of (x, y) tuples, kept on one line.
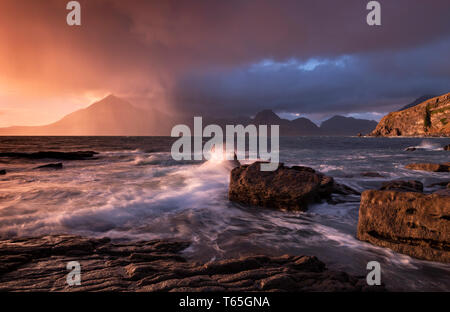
[(287, 188), (412, 223), (39, 264)]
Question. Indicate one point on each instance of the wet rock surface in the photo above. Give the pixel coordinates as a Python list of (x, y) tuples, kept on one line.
[(39, 264), (287, 188), (412, 223)]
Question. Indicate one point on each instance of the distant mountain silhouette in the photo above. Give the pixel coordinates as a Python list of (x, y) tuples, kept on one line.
[(340, 125), (109, 116), (267, 117), (417, 101), (116, 117), (299, 126), (305, 126)]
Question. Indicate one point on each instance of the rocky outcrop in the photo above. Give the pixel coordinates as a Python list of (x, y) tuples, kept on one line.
[(430, 118), (407, 222), (429, 167), (79, 155), (287, 188), (39, 264), (402, 186)]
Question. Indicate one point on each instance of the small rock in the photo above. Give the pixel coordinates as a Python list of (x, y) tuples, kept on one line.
[(51, 166), (403, 186), (372, 174), (429, 167)]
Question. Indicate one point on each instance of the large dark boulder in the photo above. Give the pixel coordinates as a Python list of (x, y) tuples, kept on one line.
[(2, 172), (447, 147), (407, 222), (287, 188)]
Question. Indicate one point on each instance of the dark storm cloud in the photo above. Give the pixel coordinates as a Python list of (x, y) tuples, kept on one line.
[(369, 82), (200, 55)]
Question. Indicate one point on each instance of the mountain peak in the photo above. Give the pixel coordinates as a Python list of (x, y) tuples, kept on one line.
[(341, 125), (110, 101), (266, 116)]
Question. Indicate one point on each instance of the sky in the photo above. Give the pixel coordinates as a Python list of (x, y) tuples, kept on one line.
[(221, 58)]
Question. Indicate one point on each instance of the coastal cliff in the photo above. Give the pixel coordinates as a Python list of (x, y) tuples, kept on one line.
[(429, 118)]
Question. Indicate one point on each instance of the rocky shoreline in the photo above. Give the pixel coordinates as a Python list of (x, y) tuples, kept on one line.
[(398, 216), (39, 264)]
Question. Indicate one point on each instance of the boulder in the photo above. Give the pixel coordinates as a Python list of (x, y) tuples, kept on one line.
[(51, 166), (447, 147), (403, 186), (287, 188), (2, 172), (407, 222), (429, 167), (410, 149)]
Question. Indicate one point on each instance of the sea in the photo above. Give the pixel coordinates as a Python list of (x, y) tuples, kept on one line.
[(133, 190)]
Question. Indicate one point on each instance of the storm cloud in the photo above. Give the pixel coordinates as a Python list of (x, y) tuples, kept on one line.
[(221, 57)]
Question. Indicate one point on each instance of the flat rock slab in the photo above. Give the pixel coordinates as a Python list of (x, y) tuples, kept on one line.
[(412, 223), (78, 155), (39, 264), (287, 188)]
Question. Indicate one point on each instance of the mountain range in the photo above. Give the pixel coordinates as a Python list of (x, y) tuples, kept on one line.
[(116, 117)]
